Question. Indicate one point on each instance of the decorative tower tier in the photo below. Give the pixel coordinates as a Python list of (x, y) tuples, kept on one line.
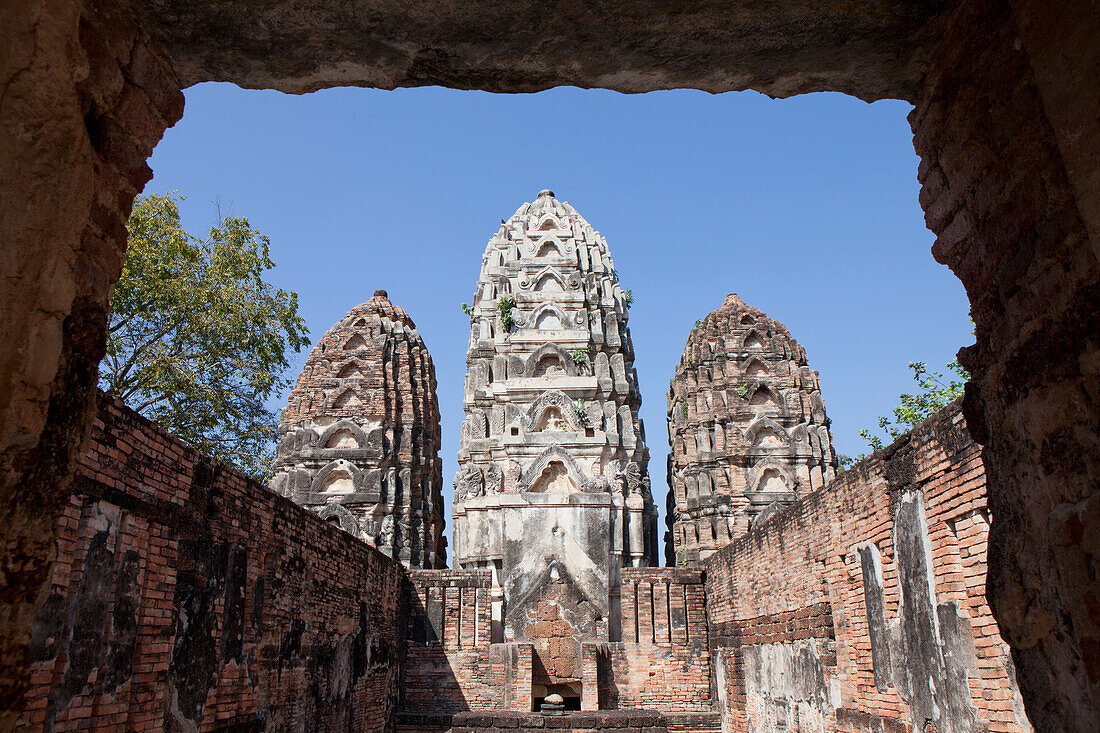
[(746, 427), (552, 492), (359, 439)]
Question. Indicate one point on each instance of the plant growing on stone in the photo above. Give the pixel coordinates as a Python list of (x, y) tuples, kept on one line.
[(197, 341), (468, 311), (579, 356), (742, 390), (505, 306), (936, 392), (582, 412), (628, 297), (698, 322), (685, 406)]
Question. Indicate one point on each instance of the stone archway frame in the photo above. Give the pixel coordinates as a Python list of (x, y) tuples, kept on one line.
[(550, 348), (338, 394), (964, 66), (554, 398), (754, 330), (530, 318), (761, 422), (345, 518), (756, 386), (549, 216), (756, 473), (531, 248), (554, 453), (747, 362), (344, 424), (570, 282), (337, 465)]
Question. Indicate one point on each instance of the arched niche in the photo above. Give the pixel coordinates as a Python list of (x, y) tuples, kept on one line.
[(766, 433), (753, 340), (347, 400), (538, 467), (550, 317), (562, 357), (338, 477), (558, 401), (548, 366), (345, 432), (549, 222), (548, 320), (770, 476), (755, 367), (764, 397), (338, 515), (554, 479), (349, 370), (549, 248), (355, 343)]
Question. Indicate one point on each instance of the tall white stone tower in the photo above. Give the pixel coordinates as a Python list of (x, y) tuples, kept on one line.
[(552, 492)]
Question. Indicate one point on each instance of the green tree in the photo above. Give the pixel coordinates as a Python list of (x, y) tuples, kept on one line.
[(197, 341), (936, 392)]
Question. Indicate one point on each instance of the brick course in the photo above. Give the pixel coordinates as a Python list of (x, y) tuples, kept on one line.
[(200, 598), (797, 582)]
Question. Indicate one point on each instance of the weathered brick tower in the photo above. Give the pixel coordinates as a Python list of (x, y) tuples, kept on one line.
[(747, 429), (359, 439), (552, 492)]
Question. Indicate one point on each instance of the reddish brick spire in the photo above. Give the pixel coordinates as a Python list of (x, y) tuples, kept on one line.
[(360, 435), (746, 426)]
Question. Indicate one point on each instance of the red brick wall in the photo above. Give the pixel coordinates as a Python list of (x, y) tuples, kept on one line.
[(87, 95), (1007, 125), (795, 588), (663, 660), (449, 666), (185, 595)]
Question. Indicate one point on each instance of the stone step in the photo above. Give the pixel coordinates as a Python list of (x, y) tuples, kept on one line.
[(620, 721)]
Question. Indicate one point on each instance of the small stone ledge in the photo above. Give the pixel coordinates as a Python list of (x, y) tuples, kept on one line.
[(639, 721)]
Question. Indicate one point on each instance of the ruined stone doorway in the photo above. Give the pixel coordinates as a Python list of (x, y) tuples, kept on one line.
[(1005, 123)]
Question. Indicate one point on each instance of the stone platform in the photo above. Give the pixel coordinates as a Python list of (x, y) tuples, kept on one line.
[(622, 721)]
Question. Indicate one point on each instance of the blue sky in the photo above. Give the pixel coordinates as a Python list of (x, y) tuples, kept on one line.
[(806, 207)]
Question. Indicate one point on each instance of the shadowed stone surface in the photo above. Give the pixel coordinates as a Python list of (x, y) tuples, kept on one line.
[(746, 427), (865, 48), (359, 439)]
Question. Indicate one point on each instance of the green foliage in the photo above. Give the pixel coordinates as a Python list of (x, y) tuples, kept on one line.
[(742, 389), (505, 306), (698, 322), (690, 358), (582, 412), (844, 461), (579, 356), (628, 297), (936, 392), (197, 341), (685, 405), (468, 311)]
